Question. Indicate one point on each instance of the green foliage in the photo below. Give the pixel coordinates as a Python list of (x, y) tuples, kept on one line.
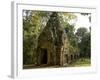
[(73, 44), (80, 33), (84, 42), (33, 24), (86, 48)]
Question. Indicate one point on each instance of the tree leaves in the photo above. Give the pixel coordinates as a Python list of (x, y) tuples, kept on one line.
[(84, 42)]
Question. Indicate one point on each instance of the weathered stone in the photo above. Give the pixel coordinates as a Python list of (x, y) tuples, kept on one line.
[(51, 49)]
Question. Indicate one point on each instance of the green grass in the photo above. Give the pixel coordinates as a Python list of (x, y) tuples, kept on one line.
[(81, 62)]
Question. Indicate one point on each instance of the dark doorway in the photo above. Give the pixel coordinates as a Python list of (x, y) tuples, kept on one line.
[(67, 58), (43, 56), (71, 57)]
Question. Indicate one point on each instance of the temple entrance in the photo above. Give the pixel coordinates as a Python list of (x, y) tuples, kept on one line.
[(67, 58), (71, 57), (43, 56)]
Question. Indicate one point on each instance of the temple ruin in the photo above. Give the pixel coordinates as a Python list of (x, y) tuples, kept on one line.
[(52, 44)]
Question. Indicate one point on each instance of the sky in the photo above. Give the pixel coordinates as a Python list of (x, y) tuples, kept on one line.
[(81, 21)]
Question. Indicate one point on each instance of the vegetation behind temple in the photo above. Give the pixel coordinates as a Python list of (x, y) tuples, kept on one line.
[(33, 24)]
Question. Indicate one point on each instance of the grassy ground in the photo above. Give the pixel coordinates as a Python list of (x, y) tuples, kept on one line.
[(81, 62)]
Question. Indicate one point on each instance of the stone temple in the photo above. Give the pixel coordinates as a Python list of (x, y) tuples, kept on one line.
[(52, 44)]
